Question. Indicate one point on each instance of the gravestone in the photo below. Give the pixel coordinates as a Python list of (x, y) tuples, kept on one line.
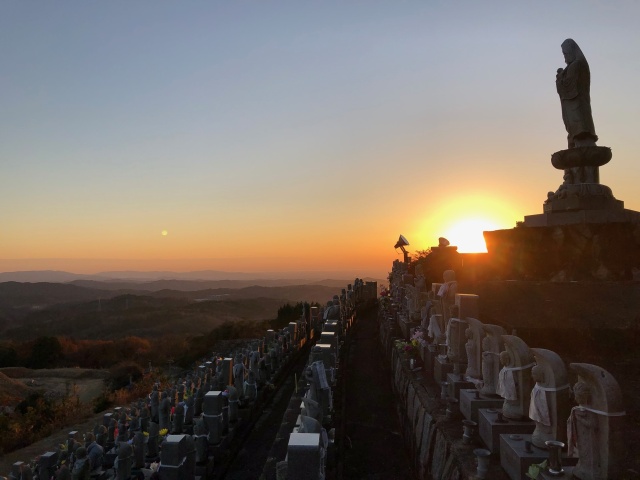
[(303, 456), (178, 458), (212, 407)]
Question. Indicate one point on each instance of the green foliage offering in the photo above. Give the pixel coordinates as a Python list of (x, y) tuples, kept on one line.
[(536, 469)]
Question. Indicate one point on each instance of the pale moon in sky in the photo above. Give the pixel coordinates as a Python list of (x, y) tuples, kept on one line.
[(164, 233)]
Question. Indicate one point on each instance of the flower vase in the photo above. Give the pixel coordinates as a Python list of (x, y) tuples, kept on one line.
[(555, 457), (482, 454)]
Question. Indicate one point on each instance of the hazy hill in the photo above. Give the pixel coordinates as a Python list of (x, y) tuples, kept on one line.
[(259, 278), (29, 310), (143, 316), (195, 285)]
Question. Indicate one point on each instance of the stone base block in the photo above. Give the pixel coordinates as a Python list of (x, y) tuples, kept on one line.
[(469, 404), (490, 430), (205, 470), (429, 358), (441, 369), (516, 460), (456, 384)]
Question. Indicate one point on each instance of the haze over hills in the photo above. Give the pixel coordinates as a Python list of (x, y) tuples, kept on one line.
[(99, 306), (262, 278)]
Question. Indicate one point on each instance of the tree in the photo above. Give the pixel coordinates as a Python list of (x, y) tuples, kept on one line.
[(46, 353)]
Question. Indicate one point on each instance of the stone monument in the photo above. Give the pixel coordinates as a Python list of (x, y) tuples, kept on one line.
[(584, 232)]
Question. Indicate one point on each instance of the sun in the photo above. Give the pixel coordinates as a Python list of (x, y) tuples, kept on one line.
[(467, 235), (164, 233)]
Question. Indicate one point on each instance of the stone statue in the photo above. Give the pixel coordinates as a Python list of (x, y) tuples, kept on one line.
[(152, 441), (573, 86), (138, 450), (549, 406), (124, 461), (514, 381), (178, 419), (473, 334), (154, 400), (82, 466), (492, 345), (238, 374), (250, 389), (595, 426), (164, 412), (447, 293), (456, 341), (94, 451)]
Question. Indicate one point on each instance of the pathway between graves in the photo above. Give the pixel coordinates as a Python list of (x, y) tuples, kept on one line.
[(370, 445), (250, 460)]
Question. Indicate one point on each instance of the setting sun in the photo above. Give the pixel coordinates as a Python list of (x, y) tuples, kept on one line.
[(467, 234)]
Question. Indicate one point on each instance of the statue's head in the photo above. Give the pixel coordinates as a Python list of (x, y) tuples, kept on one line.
[(571, 51), (582, 393), (537, 373), (468, 333), (449, 276), (505, 358)]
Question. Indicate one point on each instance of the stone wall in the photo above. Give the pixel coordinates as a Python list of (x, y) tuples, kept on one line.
[(435, 441)]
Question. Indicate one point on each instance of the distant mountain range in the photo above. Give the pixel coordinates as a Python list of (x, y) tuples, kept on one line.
[(244, 278)]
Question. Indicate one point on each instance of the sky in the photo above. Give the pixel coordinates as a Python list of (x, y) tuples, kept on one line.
[(292, 135)]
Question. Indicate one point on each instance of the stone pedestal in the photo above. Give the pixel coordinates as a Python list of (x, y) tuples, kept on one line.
[(515, 459), (212, 415), (178, 458), (490, 430), (469, 404), (303, 456), (441, 369), (456, 384), (330, 338), (428, 355)]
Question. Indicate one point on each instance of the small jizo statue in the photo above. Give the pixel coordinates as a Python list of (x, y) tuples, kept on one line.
[(595, 426), (549, 406), (474, 335), (514, 381), (492, 345)]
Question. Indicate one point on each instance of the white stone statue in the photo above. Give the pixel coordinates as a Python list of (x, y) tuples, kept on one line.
[(514, 381), (492, 345), (595, 426), (549, 406)]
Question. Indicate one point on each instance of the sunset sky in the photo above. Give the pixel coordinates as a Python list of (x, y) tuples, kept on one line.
[(292, 135)]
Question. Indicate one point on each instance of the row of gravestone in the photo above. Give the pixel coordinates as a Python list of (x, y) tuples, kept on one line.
[(308, 441), (517, 398), (174, 432)]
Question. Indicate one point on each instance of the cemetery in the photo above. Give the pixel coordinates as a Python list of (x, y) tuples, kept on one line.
[(513, 366)]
